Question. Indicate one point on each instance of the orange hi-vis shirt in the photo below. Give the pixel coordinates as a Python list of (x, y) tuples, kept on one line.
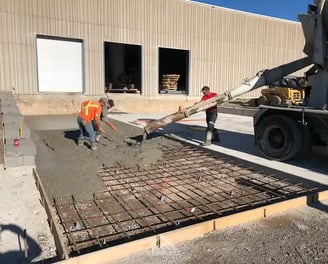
[(90, 110)]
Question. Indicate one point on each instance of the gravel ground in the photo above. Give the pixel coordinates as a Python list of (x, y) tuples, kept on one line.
[(20, 209), (298, 236)]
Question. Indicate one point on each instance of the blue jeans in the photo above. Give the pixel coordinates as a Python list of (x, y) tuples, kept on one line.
[(211, 117), (88, 127)]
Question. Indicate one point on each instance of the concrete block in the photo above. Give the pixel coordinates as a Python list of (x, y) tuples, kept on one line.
[(26, 131), (12, 118), (29, 160), (26, 148), (8, 102), (6, 95), (9, 109), (12, 130), (10, 162)]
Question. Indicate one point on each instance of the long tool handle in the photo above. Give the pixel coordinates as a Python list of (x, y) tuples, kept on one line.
[(114, 128)]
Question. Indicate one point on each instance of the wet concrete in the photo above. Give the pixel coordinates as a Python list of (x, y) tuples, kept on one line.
[(66, 169), (51, 122)]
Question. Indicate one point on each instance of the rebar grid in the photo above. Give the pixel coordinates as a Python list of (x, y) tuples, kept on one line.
[(189, 186)]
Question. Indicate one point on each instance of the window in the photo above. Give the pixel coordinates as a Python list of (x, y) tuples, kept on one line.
[(122, 68), (60, 65), (173, 70)]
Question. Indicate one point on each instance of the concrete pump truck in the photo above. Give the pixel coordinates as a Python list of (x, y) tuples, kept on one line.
[(285, 132)]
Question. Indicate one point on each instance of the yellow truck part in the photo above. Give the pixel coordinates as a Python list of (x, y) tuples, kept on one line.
[(283, 95)]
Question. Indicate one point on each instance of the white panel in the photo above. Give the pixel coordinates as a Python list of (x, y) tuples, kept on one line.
[(59, 66)]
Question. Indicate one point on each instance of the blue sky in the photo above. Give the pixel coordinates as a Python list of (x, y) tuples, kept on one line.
[(286, 9)]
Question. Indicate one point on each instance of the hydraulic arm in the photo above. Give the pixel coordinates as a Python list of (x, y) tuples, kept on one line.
[(260, 79)]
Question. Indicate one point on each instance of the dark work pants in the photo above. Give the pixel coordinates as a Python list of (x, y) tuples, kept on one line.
[(210, 120)]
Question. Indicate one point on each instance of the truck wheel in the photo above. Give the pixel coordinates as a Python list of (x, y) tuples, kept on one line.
[(275, 100), (278, 137)]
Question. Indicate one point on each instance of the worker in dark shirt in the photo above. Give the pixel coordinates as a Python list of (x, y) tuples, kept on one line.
[(212, 134)]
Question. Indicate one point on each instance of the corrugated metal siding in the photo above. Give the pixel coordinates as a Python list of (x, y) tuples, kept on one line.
[(225, 46)]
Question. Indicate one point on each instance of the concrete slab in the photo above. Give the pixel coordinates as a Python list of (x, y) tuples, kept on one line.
[(13, 162), (47, 122), (236, 133)]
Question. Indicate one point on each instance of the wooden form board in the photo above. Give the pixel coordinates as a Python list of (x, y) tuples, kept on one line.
[(54, 227), (171, 238)]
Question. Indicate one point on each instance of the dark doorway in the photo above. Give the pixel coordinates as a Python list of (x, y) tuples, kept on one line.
[(173, 70), (122, 68)]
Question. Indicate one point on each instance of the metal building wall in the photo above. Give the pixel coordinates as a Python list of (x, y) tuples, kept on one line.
[(225, 46)]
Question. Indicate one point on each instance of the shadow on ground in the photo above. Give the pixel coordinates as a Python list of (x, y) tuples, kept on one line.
[(72, 134), (313, 201), (27, 250), (319, 206), (243, 143)]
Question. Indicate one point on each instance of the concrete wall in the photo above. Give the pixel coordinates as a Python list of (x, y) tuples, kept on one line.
[(128, 103), (225, 45)]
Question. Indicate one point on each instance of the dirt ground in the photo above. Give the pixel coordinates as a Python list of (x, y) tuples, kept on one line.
[(21, 209), (66, 169), (298, 236)]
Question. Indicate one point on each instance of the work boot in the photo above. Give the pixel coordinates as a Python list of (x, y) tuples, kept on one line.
[(93, 146), (215, 137), (80, 142), (208, 138)]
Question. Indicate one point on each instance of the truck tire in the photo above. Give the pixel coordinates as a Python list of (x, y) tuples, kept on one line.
[(278, 137)]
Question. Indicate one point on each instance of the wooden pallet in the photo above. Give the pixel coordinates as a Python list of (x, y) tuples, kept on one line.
[(122, 91)]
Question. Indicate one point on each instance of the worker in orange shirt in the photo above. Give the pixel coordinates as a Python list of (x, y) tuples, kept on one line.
[(89, 115), (104, 118), (212, 134)]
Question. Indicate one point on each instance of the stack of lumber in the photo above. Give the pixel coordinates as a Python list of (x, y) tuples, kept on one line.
[(170, 82)]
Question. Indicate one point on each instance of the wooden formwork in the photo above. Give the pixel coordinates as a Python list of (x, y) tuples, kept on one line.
[(208, 201), (54, 227), (194, 231)]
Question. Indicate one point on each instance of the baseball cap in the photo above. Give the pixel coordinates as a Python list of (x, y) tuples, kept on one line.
[(205, 88), (103, 100), (111, 102)]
